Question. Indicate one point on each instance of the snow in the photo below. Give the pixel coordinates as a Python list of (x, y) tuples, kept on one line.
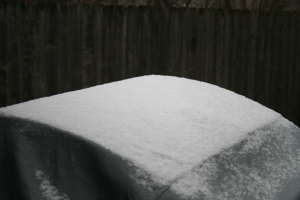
[(48, 190), (265, 164), (163, 125)]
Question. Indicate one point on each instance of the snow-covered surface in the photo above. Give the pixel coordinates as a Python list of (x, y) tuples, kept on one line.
[(163, 125)]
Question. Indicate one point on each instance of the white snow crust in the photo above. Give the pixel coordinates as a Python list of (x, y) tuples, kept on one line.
[(164, 125)]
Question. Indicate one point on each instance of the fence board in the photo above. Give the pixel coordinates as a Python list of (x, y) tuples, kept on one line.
[(245, 52), (252, 54), (174, 54), (3, 54), (235, 67), (202, 55), (284, 65), (88, 75), (51, 57), (13, 67), (260, 88), (270, 58), (191, 43), (219, 54), (98, 42), (296, 103), (291, 59)]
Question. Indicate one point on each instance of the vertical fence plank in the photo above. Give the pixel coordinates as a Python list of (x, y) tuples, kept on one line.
[(209, 50), (291, 85), (130, 41), (260, 87), (296, 104), (142, 43), (51, 49), (123, 44), (74, 67), (106, 44), (235, 68), (120, 41), (115, 37), (3, 53), (252, 54), (154, 50), (191, 43), (284, 65), (267, 56), (219, 48), (98, 42), (184, 21), (228, 38), (39, 84), (272, 69), (276, 57), (12, 70), (174, 55), (63, 31), (27, 52), (88, 73), (244, 60)]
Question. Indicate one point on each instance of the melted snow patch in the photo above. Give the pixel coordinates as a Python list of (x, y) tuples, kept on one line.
[(49, 191)]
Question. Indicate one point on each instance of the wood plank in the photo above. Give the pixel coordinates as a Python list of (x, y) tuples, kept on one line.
[(154, 50), (3, 53), (142, 41), (120, 41), (164, 39), (184, 38), (219, 46), (114, 66), (63, 31), (130, 43), (296, 106), (228, 37), (254, 17), (39, 33), (292, 69), (51, 50), (283, 67), (271, 59), (244, 58), (174, 42), (88, 68), (98, 43), (13, 56), (276, 57), (235, 68), (74, 67), (260, 87), (267, 58), (191, 43), (209, 50), (27, 52)]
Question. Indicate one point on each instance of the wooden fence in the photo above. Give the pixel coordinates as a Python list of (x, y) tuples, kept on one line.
[(50, 48)]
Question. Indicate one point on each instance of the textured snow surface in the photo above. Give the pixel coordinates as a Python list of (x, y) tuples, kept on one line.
[(48, 190), (164, 125)]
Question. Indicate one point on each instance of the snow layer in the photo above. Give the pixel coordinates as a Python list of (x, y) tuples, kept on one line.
[(163, 125)]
